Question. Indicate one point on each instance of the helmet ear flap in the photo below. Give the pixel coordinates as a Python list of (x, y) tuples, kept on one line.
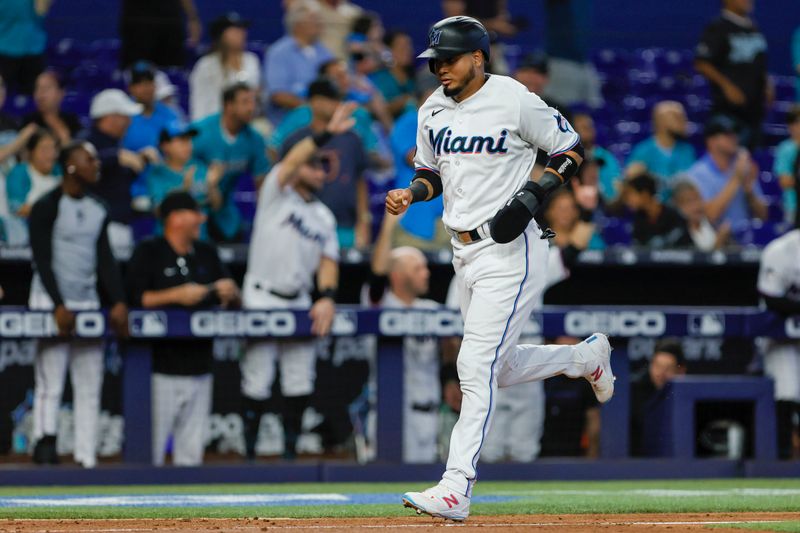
[(432, 65)]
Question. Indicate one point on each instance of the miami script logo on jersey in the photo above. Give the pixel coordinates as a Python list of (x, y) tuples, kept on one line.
[(444, 142), (297, 223)]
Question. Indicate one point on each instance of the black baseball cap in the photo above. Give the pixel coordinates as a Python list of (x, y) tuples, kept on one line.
[(536, 60), (222, 23), (176, 129), (719, 124), (141, 71), (324, 87), (177, 201)]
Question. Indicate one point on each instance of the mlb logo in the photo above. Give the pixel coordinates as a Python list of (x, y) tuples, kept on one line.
[(434, 37), (706, 324), (345, 323), (147, 323)]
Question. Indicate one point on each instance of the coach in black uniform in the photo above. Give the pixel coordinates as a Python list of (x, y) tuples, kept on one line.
[(178, 270), (72, 256)]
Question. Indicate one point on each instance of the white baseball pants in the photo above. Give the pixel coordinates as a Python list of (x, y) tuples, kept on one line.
[(782, 364), (518, 424), (297, 358), (85, 360), (422, 393), (181, 407), (499, 287)]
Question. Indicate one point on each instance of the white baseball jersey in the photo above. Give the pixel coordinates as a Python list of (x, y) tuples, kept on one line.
[(420, 358), (778, 277), (484, 148), (422, 393), (779, 274), (290, 237)]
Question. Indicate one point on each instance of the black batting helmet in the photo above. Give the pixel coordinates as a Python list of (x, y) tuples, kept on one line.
[(456, 35)]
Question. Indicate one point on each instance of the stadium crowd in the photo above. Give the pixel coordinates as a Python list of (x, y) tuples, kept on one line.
[(173, 134)]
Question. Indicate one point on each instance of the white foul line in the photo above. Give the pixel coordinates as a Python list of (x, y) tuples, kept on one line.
[(259, 527)]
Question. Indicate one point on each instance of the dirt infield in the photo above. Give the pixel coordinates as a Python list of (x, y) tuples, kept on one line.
[(544, 523)]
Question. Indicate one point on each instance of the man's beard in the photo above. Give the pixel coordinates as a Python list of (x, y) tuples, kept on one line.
[(679, 135), (452, 92)]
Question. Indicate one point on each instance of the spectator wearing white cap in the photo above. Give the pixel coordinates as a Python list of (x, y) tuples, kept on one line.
[(167, 94), (111, 113)]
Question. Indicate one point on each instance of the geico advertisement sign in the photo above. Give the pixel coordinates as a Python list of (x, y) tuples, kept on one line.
[(250, 323), (442, 323), (42, 324), (622, 323)]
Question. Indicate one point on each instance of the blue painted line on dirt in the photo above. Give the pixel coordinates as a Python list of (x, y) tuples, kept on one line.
[(213, 500)]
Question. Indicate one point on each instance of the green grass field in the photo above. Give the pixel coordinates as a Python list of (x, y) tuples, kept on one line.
[(778, 527), (609, 497)]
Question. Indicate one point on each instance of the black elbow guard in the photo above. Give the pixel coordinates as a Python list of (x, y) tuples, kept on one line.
[(514, 217)]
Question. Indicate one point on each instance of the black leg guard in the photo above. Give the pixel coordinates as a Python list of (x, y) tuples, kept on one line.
[(293, 408), (252, 410)]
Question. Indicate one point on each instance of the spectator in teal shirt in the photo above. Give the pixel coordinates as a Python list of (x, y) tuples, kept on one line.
[(396, 83), (142, 134), (30, 180), (229, 140), (610, 172), (787, 166), (22, 42), (180, 172), (666, 153)]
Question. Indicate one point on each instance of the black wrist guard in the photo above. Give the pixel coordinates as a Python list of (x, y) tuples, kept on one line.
[(419, 191), (320, 139), (425, 185), (329, 292)]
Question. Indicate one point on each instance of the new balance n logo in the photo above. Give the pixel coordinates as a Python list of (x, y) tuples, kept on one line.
[(597, 373), (450, 501)]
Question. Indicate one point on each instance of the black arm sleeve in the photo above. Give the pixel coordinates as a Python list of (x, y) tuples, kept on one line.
[(43, 216), (107, 268), (565, 165), (782, 305)]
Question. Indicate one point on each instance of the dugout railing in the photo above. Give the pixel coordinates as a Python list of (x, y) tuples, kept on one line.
[(391, 326)]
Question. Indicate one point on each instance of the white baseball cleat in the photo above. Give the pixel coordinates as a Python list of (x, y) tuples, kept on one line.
[(596, 352), (439, 502)]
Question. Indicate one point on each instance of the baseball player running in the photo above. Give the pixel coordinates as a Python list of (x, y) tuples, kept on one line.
[(294, 236), (476, 146)]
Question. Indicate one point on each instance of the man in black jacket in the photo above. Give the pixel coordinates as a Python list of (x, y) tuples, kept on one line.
[(179, 270), (72, 256)]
